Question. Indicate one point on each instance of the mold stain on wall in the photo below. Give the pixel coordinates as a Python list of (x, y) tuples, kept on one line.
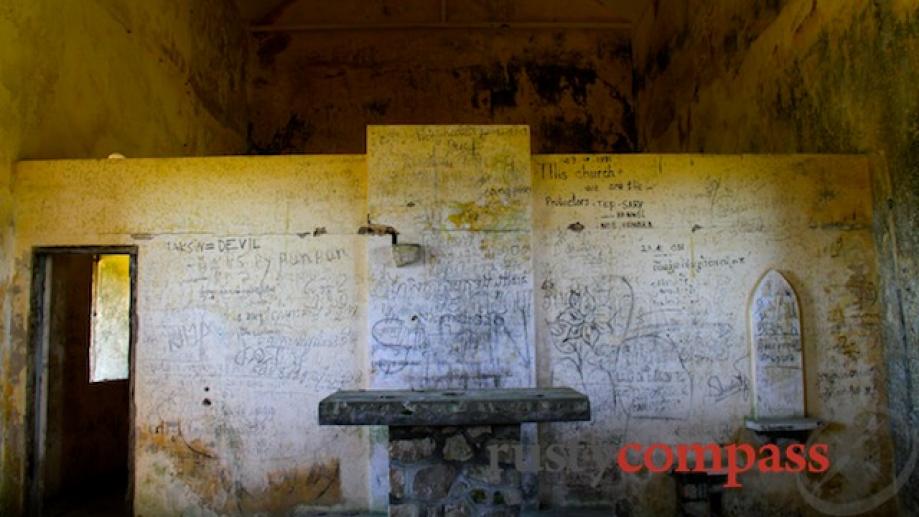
[(804, 76), (132, 98), (312, 93)]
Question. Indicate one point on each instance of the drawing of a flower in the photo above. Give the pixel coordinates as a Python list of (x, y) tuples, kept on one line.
[(581, 323)]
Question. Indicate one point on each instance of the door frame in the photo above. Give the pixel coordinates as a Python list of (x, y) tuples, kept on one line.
[(38, 348)]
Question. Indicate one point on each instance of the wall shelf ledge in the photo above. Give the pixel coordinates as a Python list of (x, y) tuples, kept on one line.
[(782, 425)]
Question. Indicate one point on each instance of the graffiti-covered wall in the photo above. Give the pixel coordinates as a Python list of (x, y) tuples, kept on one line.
[(803, 76), (625, 277)]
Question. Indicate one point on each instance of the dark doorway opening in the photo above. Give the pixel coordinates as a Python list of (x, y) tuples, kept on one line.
[(83, 331)]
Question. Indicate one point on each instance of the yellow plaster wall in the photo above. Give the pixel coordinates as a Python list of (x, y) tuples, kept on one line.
[(828, 76), (644, 267), (254, 303), (462, 316), (250, 310), (88, 78)]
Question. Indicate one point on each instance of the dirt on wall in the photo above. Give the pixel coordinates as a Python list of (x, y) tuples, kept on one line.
[(86, 79), (804, 76), (312, 92), (214, 482)]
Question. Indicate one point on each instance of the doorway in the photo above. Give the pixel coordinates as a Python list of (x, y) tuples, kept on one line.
[(83, 332)]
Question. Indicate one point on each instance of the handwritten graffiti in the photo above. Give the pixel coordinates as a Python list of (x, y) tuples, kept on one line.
[(609, 343)]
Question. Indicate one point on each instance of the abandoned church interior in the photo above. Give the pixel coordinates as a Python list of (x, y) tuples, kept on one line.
[(446, 258)]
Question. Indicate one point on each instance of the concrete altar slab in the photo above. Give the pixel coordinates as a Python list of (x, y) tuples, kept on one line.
[(453, 407)]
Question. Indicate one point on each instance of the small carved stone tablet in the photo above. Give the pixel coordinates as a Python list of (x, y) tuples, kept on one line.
[(775, 337)]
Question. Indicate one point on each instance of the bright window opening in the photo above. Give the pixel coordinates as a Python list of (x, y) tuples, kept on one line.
[(110, 332)]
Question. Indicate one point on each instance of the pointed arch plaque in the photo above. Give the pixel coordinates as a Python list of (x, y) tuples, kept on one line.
[(776, 351)]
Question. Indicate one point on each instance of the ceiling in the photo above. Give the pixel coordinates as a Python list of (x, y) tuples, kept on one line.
[(281, 13)]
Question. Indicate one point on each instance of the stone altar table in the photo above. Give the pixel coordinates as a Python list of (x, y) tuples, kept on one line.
[(453, 452)]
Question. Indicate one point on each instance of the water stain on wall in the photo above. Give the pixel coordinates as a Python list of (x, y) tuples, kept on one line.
[(553, 80), (173, 84), (495, 86), (287, 488), (215, 480), (311, 93), (803, 76), (193, 463)]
